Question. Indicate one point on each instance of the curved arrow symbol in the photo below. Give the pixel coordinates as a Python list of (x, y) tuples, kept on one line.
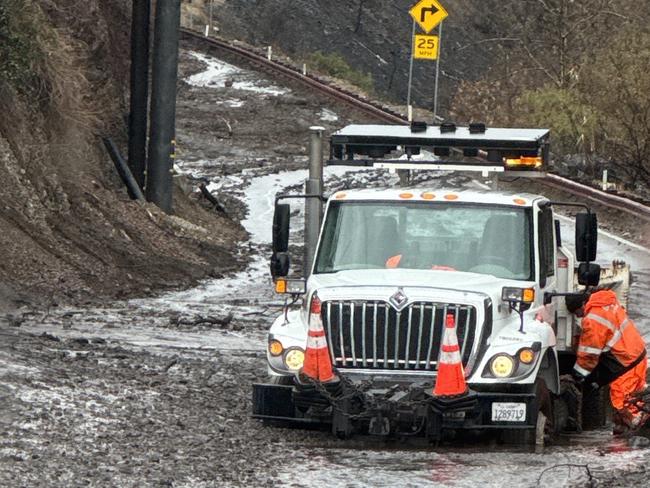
[(423, 13)]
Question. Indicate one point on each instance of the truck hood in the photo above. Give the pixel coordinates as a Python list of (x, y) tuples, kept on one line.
[(443, 280), (379, 282)]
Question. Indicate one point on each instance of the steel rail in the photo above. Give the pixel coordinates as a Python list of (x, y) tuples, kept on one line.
[(387, 115), (310, 81), (612, 201)]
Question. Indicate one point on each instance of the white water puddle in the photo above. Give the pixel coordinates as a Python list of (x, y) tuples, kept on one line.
[(219, 74)]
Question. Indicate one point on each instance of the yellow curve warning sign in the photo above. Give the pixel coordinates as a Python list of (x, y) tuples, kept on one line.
[(428, 14), (425, 47)]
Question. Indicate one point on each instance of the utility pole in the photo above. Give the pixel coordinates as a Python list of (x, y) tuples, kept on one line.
[(163, 104), (313, 205), (139, 89)]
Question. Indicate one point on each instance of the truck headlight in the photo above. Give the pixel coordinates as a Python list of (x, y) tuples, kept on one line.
[(294, 358), (502, 365)]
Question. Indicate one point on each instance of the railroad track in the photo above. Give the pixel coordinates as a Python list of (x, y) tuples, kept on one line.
[(386, 114)]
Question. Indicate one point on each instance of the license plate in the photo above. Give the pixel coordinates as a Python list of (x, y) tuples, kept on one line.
[(508, 412)]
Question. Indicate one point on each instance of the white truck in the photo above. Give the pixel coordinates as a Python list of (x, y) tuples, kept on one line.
[(388, 265)]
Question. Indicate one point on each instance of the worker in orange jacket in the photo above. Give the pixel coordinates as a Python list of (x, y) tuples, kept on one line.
[(611, 351)]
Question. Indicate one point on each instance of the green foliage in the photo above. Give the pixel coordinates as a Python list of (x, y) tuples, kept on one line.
[(571, 121), (617, 83), (20, 49), (334, 65)]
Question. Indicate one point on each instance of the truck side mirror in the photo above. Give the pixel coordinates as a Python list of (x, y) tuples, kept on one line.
[(281, 218), (279, 265), (588, 274), (586, 237)]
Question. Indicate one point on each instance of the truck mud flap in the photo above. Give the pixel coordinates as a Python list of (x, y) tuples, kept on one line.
[(439, 406), (275, 403)]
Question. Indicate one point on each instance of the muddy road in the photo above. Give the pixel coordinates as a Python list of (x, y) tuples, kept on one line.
[(156, 392)]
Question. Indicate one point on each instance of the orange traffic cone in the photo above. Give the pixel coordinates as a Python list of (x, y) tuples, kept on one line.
[(451, 377), (317, 364)]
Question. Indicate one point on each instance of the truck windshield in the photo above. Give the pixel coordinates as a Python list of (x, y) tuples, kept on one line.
[(494, 240)]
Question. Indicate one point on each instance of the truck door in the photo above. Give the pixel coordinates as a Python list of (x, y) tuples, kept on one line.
[(546, 249)]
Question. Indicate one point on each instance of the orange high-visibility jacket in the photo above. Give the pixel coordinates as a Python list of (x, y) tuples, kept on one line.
[(607, 334)]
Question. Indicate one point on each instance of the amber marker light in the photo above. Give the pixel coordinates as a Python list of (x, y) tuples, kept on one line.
[(275, 348), (428, 196), (518, 295), (528, 295), (406, 196), (535, 162), (526, 356), (524, 161), (451, 197), (519, 201), (281, 286), (340, 196)]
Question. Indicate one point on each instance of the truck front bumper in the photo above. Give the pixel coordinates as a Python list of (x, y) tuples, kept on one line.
[(412, 412)]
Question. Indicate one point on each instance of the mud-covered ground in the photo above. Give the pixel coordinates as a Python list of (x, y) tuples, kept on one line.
[(156, 392)]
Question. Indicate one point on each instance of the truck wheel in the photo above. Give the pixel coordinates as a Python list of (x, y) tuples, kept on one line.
[(561, 414), (595, 408), (542, 416)]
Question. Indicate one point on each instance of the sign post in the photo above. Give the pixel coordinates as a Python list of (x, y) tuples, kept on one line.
[(408, 95), (435, 90), (428, 14)]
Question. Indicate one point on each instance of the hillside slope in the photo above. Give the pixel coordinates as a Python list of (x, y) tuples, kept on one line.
[(68, 230), (373, 36)]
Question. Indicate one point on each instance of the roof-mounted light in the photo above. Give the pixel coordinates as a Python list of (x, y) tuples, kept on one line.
[(447, 127), (477, 128), (418, 126), (531, 162), (473, 148)]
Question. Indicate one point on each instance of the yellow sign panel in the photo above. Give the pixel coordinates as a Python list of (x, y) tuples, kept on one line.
[(428, 14), (425, 47)]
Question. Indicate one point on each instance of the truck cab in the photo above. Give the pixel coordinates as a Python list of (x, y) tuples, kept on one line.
[(390, 266)]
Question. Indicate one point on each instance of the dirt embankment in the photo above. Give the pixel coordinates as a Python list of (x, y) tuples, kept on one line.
[(68, 230)]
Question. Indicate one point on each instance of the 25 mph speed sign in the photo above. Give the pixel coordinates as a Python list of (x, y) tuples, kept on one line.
[(425, 47)]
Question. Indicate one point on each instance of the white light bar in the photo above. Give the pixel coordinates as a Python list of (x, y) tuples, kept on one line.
[(485, 170), (473, 148)]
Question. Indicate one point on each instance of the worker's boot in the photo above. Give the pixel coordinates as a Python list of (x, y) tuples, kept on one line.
[(627, 421), (621, 420)]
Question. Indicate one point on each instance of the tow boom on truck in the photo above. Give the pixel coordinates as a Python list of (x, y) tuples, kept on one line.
[(388, 269)]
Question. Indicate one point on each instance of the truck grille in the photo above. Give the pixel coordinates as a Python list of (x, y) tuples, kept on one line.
[(373, 335)]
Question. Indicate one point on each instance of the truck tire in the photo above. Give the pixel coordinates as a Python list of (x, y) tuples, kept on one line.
[(543, 417), (595, 408)]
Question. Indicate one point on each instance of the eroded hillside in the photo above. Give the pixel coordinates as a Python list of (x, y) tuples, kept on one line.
[(68, 229)]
